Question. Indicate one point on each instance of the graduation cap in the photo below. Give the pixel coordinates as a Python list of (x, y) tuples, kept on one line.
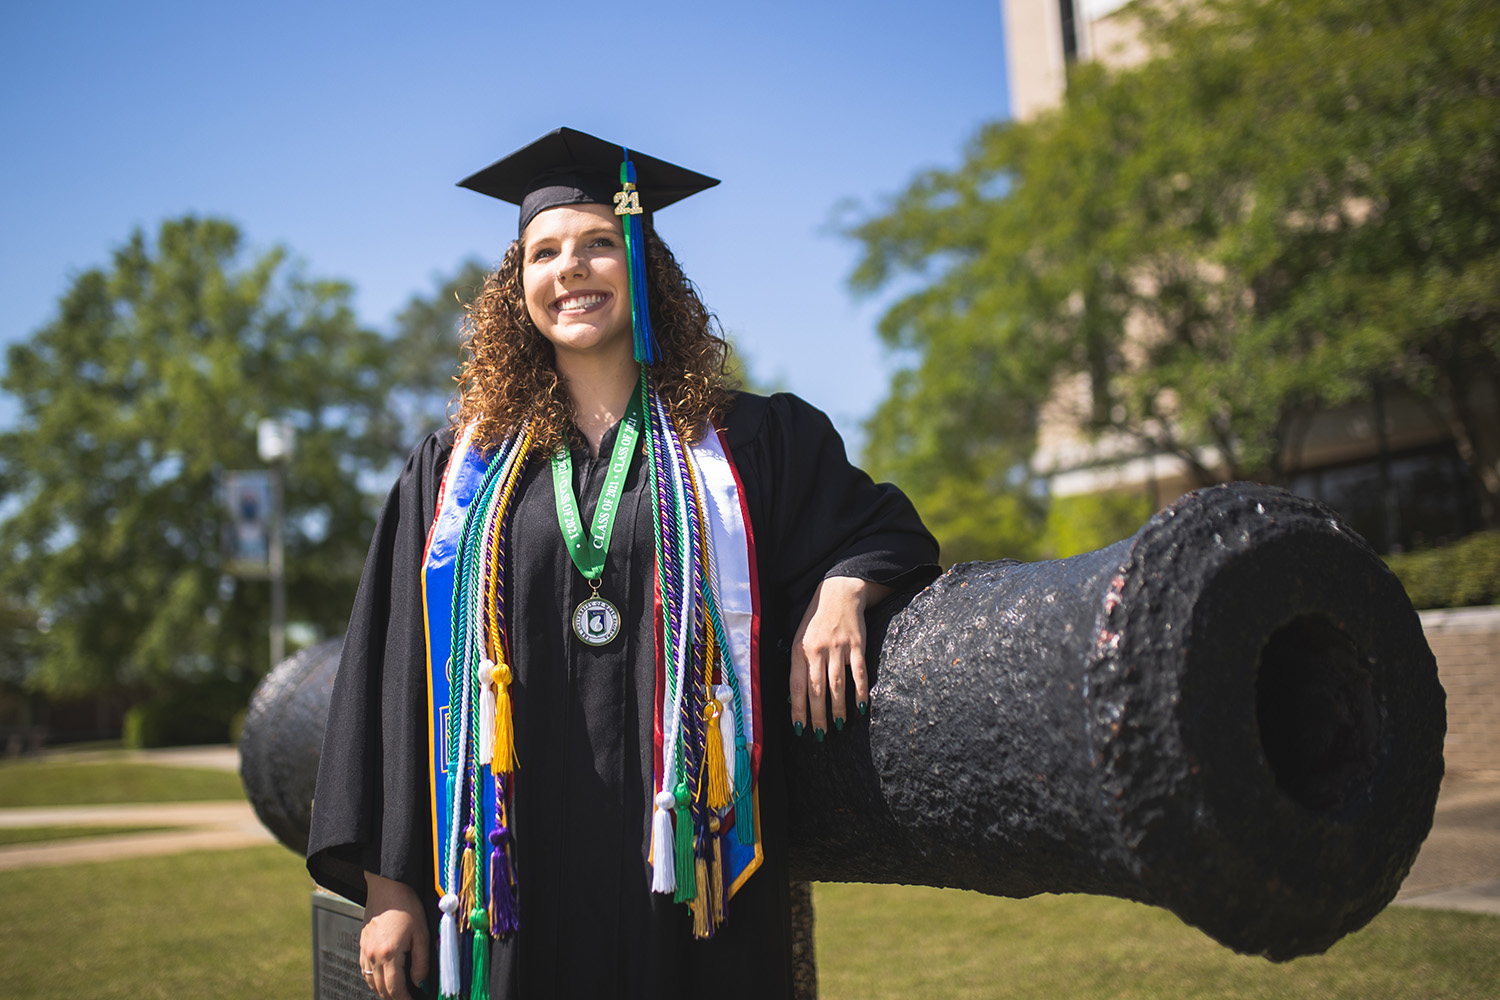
[(569, 167)]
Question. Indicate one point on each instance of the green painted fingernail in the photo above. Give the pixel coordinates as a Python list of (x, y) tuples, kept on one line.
[(819, 734), (797, 728), (864, 708), (838, 723)]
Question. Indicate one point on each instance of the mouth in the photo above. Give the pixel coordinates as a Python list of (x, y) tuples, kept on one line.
[(580, 302)]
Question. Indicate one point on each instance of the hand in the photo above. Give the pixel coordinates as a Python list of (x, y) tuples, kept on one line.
[(395, 927), (830, 645)]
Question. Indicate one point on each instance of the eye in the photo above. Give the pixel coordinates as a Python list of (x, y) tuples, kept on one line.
[(603, 241), (541, 253)]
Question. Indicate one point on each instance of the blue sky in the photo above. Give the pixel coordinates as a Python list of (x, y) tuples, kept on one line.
[(338, 129)]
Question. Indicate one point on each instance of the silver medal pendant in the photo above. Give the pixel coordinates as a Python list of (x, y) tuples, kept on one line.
[(596, 621)]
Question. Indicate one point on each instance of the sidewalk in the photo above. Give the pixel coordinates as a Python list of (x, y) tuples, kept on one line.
[(198, 826), (1458, 868)]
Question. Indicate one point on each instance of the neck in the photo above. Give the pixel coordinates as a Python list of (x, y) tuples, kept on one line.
[(601, 389)]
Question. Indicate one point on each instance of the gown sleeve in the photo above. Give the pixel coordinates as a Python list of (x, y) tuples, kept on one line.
[(371, 806), (822, 515)]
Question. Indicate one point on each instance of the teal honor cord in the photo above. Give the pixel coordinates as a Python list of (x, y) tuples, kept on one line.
[(595, 621)]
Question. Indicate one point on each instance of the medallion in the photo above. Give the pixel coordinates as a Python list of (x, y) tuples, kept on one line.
[(596, 621)]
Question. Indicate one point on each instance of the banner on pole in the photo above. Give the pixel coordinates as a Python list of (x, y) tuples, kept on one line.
[(247, 535)]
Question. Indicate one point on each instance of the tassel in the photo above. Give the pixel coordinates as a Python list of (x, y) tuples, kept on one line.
[(713, 750), (486, 711), (627, 204), (744, 802), (702, 927), (448, 948), (466, 883), (479, 975), (687, 886), (504, 919), (505, 730), (663, 863), (716, 902), (729, 732)]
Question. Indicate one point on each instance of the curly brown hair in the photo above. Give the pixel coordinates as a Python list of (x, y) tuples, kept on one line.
[(509, 375)]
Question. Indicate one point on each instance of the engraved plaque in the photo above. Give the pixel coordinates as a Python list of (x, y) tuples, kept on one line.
[(336, 924)]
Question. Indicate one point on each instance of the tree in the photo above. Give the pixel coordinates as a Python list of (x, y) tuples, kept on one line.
[(147, 385), (426, 354), (1295, 203)]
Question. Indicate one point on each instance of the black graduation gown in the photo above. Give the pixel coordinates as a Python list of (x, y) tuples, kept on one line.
[(589, 925)]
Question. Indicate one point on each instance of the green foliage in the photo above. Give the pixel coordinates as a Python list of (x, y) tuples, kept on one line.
[(147, 385), (18, 641), (1295, 200), (426, 355), (1463, 574), (888, 942), (1091, 521), (58, 782), (182, 714)]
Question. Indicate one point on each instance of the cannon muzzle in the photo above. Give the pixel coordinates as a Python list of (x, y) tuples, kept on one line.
[(1233, 715)]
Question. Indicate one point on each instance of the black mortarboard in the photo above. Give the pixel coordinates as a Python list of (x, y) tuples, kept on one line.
[(568, 167)]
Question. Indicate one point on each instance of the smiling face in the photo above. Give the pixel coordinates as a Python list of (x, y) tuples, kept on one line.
[(577, 282)]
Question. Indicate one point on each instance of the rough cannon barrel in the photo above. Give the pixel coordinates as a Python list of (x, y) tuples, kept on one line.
[(1233, 715)]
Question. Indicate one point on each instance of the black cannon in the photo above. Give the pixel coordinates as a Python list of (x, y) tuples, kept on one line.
[(1233, 715)]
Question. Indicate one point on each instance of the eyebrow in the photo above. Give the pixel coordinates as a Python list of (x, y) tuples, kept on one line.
[(601, 229)]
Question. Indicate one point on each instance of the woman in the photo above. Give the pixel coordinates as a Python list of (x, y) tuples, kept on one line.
[(554, 755)]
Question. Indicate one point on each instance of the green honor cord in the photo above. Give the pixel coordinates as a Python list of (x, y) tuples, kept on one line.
[(589, 552)]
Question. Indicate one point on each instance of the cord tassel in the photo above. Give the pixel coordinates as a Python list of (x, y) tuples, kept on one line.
[(687, 886), (716, 902), (466, 884), (448, 948), (479, 975), (486, 712), (505, 725), (504, 917), (744, 803), (729, 734), (702, 926), (713, 749), (663, 861)]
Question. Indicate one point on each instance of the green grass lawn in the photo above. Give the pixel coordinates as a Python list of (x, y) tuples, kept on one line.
[(909, 942), (234, 925), (10, 835), (62, 782)]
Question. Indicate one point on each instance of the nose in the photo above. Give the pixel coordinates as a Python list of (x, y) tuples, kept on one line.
[(570, 264)]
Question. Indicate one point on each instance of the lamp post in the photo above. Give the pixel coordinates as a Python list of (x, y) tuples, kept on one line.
[(275, 440)]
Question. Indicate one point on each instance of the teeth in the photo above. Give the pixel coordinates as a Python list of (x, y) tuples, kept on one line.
[(580, 302)]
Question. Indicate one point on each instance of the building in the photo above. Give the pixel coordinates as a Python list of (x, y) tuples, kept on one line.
[(1393, 465)]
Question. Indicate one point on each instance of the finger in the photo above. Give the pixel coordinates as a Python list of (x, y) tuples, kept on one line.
[(836, 681), (390, 981), (797, 684), (861, 679), (419, 954), (367, 965), (817, 693)]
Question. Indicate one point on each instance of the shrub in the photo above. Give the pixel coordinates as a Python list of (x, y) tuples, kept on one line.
[(1091, 521), (1463, 574)]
